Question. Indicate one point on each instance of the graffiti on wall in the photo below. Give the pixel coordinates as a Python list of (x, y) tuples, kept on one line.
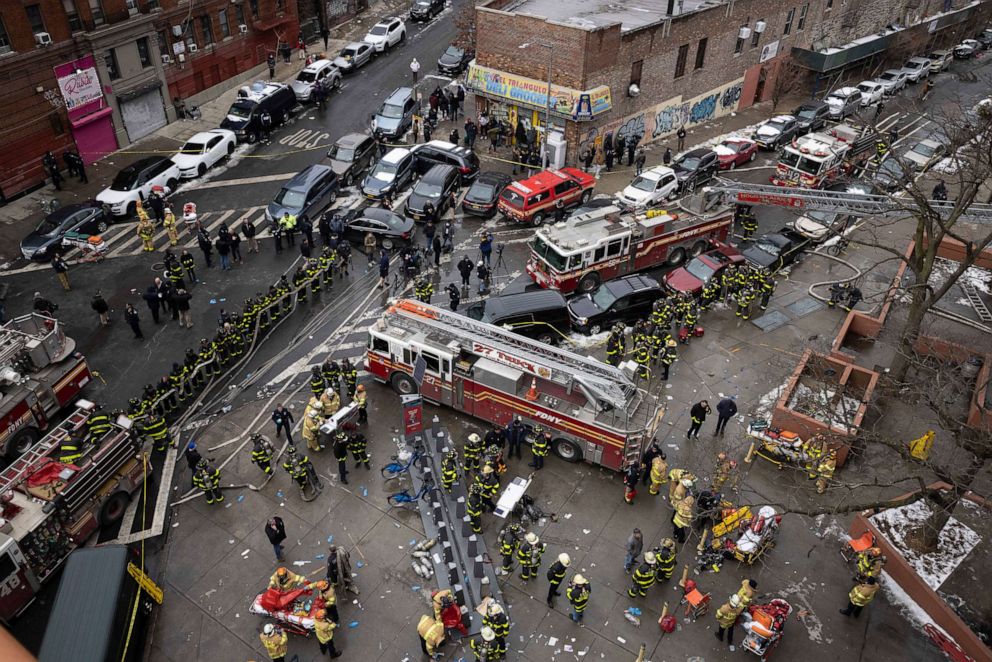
[(665, 118)]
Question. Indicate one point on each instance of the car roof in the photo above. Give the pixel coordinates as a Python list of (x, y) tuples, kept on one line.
[(395, 155), (512, 304), (378, 214), (357, 44), (775, 238), (699, 151), (895, 72), (307, 176), (657, 172), (845, 90), (399, 94), (445, 146), (207, 135), (543, 180), (351, 139), (438, 173), (928, 141), (317, 65), (147, 162), (811, 104), (873, 82), (65, 211), (781, 118), (628, 284), (494, 178), (918, 58)]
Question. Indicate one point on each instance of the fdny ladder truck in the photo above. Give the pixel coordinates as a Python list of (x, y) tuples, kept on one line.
[(594, 411), (40, 373), (820, 158), (48, 509)]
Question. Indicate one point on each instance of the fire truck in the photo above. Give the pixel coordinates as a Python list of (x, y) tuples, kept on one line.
[(594, 411), (586, 249), (818, 159), (48, 509), (40, 373)]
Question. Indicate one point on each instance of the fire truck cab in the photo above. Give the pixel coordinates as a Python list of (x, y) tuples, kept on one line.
[(818, 159)]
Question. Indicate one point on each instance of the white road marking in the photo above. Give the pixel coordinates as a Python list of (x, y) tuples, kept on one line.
[(247, 180)]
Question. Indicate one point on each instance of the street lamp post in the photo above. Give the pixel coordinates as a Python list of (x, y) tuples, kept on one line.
[(547, 100)]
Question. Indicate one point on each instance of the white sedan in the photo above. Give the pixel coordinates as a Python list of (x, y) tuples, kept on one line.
[(892, 80), (203, 151), (385, 34), (871, 92), (651, 187)]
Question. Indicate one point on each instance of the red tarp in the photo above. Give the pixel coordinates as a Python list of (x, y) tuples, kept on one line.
[(275, 600), (48, 473)]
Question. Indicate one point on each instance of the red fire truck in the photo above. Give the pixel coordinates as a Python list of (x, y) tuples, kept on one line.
[(595, 412), (40, 373), (587, 249), (48, 509), (820, 158)]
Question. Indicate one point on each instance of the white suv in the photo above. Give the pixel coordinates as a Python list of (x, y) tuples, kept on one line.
[(917, 68), (321, 71), (385, 34), (135, 182), (651, 187)]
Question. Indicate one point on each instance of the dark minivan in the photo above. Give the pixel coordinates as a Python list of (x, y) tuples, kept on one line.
[(245, 115), (306, 195), (435, 188), (441, 152), (541, 314)]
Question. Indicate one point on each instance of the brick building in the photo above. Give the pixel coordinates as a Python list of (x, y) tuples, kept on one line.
[(96, 75), (645, 71)]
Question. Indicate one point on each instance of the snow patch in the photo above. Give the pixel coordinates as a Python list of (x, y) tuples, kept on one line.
[(825, 406), (768, 400), (584, 341), (800, 592), (947, 165), (955, 543), (907, 606), (980, 279)]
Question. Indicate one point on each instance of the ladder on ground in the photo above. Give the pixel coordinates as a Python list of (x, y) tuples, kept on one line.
[(857, 204), (29, 462), (976, 301), (606, 382)]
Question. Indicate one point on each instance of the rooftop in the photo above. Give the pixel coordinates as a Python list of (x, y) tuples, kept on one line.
[(591, 14)]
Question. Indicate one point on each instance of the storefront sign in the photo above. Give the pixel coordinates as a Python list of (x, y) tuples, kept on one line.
[(79, 83), (577, 104)]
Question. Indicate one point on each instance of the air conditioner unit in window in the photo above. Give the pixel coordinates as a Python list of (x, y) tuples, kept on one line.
[(182, 58), (192, 48), (42, 38), (177, 30), (166, 59), (760, 26), (744, 33), (243, 29)]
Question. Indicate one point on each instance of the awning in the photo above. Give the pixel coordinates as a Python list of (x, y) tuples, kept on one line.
[(92, 117), (566, 102)]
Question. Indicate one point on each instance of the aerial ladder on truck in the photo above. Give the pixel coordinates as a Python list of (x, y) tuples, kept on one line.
[(602, 383)]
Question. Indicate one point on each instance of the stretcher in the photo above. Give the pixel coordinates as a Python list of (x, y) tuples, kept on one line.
[(757, 533), (764, 625), (780, 447), (294, 609)]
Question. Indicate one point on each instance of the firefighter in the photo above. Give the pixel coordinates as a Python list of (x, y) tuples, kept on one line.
[(275, 641), (156, 430), (496, 436), (676, 487), (486, 648), (474, 507), (71, 449), (578, 596), (332, 375), (748, 222), (727, 283), (208, 480), (325, 263), (825, 470), (180, 382), (164, 403), (508, 540), (173, 269), (285, 293), (724, 470), (689, 327), (296, 466), (812, 450), (745, 296), (556, 575), (98, 424), (311, 428), (682, 517), (539, 447), (431, 633), (357, 444), (423, 289), (642, 356), (659, 473), (643, 577), (189, 264), (262, 452), (860, 596), (711, 292), (496, 619), (330, 402), (362, 398), (726, 617), (330, 599), (316, 381), (668, 358), (489, 484), (144, 229), (285, 580), (870, 564), (300, 284), (324, 629), (207, 357), (631, 476), (747, 591), (529, 554), (135, 408), (666, 560), (472, 450), (350, 375), (615, 345), (314, 276), (449, 471), (192, 362), (767, 289)]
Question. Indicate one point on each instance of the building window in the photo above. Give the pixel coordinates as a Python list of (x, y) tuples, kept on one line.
[(802, 17), (152, 4), (788, 21), (701, 53), (207, 29), (280, 5), (143, 53), (96, 11), (254, 8), (239, 14), (132, 7), (35, 19), (755, 37), (680, 62), (72, 14), (225, 26), (635, 72), (739, 46), (830, 4), (110, 59), (4, 40)]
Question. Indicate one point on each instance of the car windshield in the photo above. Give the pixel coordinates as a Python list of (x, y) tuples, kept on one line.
[(890, 169), (241, 110), (779, 126), (924, 149), (889, 77), (339, 153), (428, 190), (49, 227), (643, 184), (807, 114), (822, 217), (867, 89), (424, 3), (481, 191), (689, 163), (348, 52), (555, 260), (291, 198), (125, 180), (700, 269), (378, 30), (391, 111), (384, 172), (604, 298), (193, 148), (307, 77), (809, 166), (454, 51)]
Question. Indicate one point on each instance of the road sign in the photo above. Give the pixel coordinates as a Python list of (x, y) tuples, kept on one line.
[(413, 414), (419, 368), (145, 582)]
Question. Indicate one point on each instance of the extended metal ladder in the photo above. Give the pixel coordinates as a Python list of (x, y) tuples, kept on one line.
[(26, 464), (858, 204), (609, 383), (976, 301)]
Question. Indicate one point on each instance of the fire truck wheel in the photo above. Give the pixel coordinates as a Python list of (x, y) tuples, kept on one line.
[(676, 257), (113, 508), (589, 282), (22, 442), (403, 384), (566, 450), (547, 338), (698, 248)]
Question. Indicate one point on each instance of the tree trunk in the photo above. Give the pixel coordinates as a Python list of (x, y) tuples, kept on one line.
[(911, 331), (925, 538)]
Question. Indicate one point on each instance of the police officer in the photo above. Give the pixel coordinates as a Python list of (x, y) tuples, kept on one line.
[(556, 575), (449, 471), (515, 437), (207, 479), (454, 296), (262, 452)]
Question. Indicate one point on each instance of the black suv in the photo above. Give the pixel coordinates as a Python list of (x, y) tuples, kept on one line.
[(351, 156), (435, 188), (541, 314), (811, 116), (425, 10), (440, 152), (454, 60), (695, 167), (624, 300)]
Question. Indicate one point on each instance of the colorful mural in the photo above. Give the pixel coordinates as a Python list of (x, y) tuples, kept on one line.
[(580, 104)]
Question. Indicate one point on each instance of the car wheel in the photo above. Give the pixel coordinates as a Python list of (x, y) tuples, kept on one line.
[(387, 244), (346, 180), (538, 219), (201, 170), (102, 226), (403, 384), (676, 257), (698, 248), (733, 165), (402, 37), (171, 185), (22, 443), (547, 338), (589, 282), (252, 137), (753, 156), (567, 450), (132, 209), (113, 508), (595, 329), (230, 149)]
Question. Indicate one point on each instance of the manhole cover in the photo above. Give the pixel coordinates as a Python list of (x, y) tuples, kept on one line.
[(804, 306), (770, 321)]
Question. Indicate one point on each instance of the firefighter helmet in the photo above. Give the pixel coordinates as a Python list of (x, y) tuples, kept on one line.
[(360, 388), (579, 579), (649, 558), (668, 543), (564, 560), (531, 538), (322, 585), (486, 470), (282, 572), (735, 600), (268, 629), (320, 615), (488, 634), (474, 438)]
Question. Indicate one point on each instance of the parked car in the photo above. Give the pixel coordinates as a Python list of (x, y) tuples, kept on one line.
[(843, 101), (390, 229), (923, 154), (393, 172), (306, 195), (733, 152), (134, 183), (320, 71), (693, 276), (351, 155), (917, 68), (244, 117), (652, 187), (820, 225), (775, 250), (694, 168), (776, 131), (436, 187), (985, 38), (454, 60), (966, 49), (425, 10), (395, 116), (353, 56), (893, 80), (483, 194), (539, 314), (871, 92), (535, 199), (893, 173), (940, 60), (441, 152), (203, 151), (624, 300), (45, 241), (385, 34), (811, 116)]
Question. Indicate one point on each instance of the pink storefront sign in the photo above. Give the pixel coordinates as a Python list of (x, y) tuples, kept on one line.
[(89, 114)]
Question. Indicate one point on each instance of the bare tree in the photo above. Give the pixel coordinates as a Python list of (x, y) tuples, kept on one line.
[(789, 79)]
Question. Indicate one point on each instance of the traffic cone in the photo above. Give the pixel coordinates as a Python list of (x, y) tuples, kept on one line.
[(532, 391)]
